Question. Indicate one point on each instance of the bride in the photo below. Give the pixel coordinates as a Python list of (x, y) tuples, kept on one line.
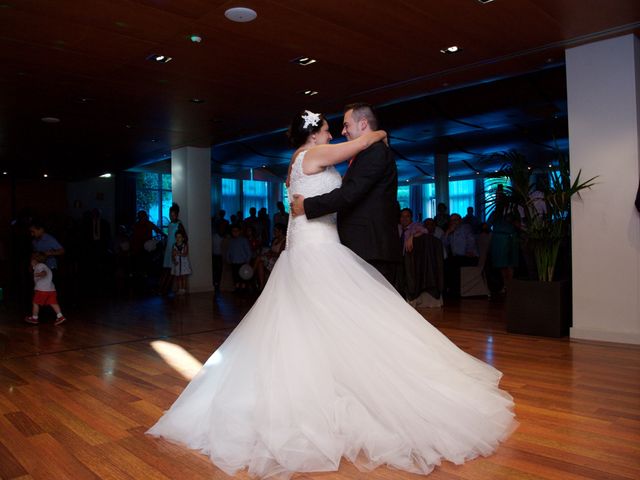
[(331, 362)]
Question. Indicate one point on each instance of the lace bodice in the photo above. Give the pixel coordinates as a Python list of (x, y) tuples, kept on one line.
[(323, 229)]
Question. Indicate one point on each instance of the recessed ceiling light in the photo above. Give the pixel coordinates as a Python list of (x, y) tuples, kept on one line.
[(50, 119), (304, 61), (45, 175), (195, 38), (158, 58), (310, 92), (451, 49), (154, 140), (5, 173), (240, 14), (196, 100), (105, 175), (550, 165)]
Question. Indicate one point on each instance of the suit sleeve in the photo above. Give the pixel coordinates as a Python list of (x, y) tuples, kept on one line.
[(369, 168)]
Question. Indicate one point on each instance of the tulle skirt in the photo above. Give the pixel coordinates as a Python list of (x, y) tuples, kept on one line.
[(331, 362)]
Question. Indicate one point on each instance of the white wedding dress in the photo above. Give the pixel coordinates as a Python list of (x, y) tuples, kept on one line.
[(331, 362)]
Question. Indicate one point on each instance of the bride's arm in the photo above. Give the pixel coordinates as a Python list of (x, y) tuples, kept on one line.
[(322, 156)]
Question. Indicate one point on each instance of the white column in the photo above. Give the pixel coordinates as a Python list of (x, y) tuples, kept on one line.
[(603, 85), (191, 188)]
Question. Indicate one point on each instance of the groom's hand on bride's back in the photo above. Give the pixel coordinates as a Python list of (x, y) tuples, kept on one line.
[(297, 205)]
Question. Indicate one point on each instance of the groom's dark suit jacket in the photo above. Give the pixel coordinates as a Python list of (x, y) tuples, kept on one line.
[(366, 204)]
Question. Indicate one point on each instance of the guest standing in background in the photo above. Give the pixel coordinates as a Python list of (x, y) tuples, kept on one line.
[(47, 244), (44, 290), (181, 267), (462, 250), (281, 216), (175, 226), (238, 253)]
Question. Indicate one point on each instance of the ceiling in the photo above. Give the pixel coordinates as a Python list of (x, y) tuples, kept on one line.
[(86, 64)]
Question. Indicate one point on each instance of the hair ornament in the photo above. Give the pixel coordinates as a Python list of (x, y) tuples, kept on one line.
[(310, 118)]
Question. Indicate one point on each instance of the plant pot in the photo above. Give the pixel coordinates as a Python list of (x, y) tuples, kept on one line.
[(539, 308)]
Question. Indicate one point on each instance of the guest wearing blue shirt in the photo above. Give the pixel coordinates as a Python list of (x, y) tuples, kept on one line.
[(462, 250), (238, 253), (47, 244)]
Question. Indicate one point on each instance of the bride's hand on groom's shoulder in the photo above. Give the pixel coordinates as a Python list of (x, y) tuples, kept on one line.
[(297, 205), (385, 138)]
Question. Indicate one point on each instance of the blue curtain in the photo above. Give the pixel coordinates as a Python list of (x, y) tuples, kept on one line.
[(404, 196), (428, 200), (254, 194), (461, 196), (230, 197)]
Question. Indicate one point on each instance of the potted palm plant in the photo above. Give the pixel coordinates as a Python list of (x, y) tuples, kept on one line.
[(542, 305)]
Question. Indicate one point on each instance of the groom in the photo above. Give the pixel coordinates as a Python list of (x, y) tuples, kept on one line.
[(367, 200)]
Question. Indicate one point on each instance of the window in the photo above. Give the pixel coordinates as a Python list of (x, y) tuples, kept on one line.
[(490, 187), (404, 196), (230, 197), (255, 194), (285, 196), (428, 200), (153, 195), (461, 196)]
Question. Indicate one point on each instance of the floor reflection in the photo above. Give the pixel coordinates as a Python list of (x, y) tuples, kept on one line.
[(177, 358)]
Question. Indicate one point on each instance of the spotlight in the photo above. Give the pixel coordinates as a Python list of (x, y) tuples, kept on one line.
[(159, 58), (304, 61), (450, 50)]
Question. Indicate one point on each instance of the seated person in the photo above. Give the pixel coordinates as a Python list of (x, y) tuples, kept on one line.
[(407, 229)]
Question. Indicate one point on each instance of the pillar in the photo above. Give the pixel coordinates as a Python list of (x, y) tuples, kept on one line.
[(441, 163), (603, 85), (191, 189)]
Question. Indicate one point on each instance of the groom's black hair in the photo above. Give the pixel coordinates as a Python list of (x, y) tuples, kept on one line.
[(297, 133), (364, 110)]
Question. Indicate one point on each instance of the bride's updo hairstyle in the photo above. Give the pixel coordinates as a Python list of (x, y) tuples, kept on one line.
[(304, 124)]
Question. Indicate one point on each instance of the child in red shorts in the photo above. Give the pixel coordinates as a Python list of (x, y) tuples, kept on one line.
[(45, 291)]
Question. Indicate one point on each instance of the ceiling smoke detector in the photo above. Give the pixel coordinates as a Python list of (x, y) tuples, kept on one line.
[(240, 14)]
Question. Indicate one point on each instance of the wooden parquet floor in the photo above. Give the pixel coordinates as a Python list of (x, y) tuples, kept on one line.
[(75, 400)]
